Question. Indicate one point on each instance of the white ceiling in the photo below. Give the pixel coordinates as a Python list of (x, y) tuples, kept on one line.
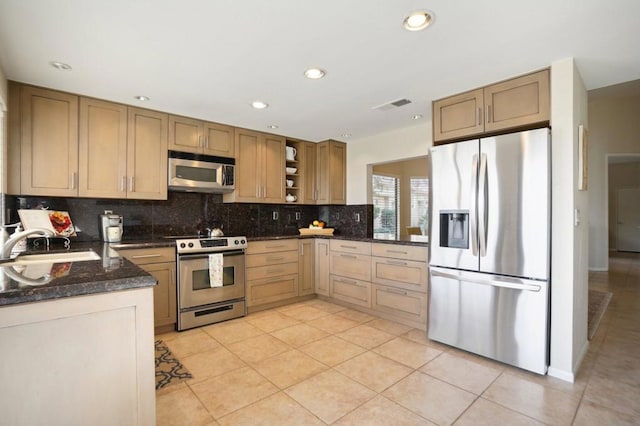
[(210, 59)]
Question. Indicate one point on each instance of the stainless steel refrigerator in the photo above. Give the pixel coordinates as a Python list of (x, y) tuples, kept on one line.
[(489, 247)]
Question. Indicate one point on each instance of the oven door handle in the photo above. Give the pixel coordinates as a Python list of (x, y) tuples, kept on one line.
[(206, 255)]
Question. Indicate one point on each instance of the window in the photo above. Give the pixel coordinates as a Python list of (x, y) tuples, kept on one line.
[(420, 203), (385, 206)]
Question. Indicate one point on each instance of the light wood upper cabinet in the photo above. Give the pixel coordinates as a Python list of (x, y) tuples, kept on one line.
[(49, 142), (260, 174), (200, 137), (517, 103), (308, 176), (147, 154), (102, 149), (13, 140), (331, 172)]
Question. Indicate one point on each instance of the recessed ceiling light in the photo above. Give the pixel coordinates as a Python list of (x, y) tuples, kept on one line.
[(314, 73), (346, 135), (418, 20), (416, 117), (60, 65), (141, 98), (259, 104), (272, 126)]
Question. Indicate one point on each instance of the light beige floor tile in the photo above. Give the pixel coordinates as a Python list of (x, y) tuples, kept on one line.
[(278, 409), (332, 308), (365, 336), (374, 371), (354, 315), (257, 348), (613, 394), (171, 388), (416, 335), (332, 350), (407, 352), (305, 313), (224, 394), (333, 323), (299, 334), (461, 372), (543, 403), (330, 395), (431, 398), (621, 368), (269, 321), (179, 408), (289, 368), (390, 327), (211, 363), (191, 343), (487, 413), (231, 332), (590, 414), (382, 412)]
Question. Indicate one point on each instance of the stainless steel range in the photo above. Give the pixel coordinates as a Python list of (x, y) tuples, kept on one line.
[(211, 283)]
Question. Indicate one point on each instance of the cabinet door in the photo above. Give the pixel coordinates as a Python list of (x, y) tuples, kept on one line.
[(49, 143), (322, 267), (248, 183), (271, 289), (165, 306), (147, 154), (308, 177), (517, 102), (322, 173), (185, 134), (273, 173), (102, 149), (458, 116), (356, 266), (406, 274), (352, 291), (306, 267), (218, 140), (338, 173), (401, 304)]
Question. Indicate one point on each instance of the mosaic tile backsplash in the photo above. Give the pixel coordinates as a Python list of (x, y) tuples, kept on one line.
[(186, 213)]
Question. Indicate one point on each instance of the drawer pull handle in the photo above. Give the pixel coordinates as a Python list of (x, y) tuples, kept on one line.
[(346, 281), (145, 256), (275, 258), (396, 262), (275, 247), (271, 280), (348, 247), (275, 271), (394, 291), (397, 251), (349, 256)]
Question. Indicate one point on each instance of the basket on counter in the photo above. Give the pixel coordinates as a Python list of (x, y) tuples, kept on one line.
[(316, 231)]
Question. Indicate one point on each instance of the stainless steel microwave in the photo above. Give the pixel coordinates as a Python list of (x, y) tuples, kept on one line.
[(200, 173)]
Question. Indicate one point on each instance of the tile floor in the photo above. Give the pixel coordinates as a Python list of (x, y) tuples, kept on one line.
[(316, 363)]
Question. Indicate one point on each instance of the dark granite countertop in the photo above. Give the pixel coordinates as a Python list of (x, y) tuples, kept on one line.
[(110, 273), (413, 240)]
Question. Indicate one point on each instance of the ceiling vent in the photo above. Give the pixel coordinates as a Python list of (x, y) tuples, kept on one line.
[(391, 105)]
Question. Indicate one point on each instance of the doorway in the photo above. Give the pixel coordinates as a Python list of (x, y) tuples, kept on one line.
[(628, 220), (623, 176)]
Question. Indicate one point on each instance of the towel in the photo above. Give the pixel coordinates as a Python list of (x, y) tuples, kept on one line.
[(215, 269)]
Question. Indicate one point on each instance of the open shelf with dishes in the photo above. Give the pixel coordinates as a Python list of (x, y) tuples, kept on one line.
[(293, 173)]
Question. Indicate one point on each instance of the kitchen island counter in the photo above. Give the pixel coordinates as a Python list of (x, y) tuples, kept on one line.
[(108, 274)]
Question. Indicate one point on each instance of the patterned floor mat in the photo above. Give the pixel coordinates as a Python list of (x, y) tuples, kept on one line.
[(168, 369)]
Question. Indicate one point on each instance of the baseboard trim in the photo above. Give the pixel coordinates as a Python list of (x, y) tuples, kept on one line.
[(567, 376)]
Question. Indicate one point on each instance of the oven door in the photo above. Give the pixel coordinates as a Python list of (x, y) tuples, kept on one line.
[(194, 285)]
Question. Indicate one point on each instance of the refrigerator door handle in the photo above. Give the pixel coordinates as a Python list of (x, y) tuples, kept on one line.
[(495, 282), (473, 217), (482, 206)]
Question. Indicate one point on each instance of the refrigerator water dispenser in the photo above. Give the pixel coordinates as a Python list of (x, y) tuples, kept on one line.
[(454, 228)]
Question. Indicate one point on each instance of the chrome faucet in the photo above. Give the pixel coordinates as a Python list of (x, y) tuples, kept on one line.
[(13, 240)]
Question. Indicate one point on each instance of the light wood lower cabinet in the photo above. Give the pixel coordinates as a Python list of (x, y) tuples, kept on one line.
[(161, 264), (405, 274), (322, 268), (306, 267), (349, 290), (267, 290), (272, 271), (357, 266), (400, 304)]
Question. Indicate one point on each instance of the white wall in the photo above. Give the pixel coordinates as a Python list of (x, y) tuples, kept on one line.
[(409, 142), (614, 129), (569, 241)]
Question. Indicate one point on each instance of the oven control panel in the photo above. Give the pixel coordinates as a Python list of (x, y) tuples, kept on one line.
[(210, 245)]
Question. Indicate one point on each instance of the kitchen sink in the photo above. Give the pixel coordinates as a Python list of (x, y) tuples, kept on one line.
[(62, 257)]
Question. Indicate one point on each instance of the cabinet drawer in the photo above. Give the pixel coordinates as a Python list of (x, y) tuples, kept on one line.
[(416, 253), (352, 291), (350, 265), (345, 246), (265, 259), (403, 304), (406, 274), (271, 246), (149, 255), (270, 271), (271, 289)]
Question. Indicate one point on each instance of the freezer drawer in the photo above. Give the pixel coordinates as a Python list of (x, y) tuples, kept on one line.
[(503, 318)]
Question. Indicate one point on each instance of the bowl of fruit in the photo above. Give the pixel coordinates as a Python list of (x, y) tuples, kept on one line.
[(317, 227)]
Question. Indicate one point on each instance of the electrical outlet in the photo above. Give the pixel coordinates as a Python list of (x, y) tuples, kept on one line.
[(275, 215), (298, 215), (357, 217)]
